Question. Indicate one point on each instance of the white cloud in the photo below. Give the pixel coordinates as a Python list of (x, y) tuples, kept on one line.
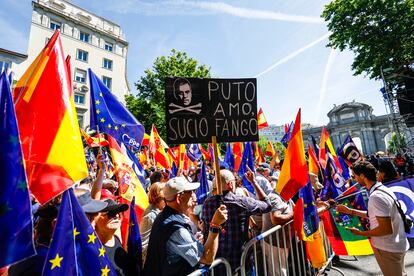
[(181, 7)]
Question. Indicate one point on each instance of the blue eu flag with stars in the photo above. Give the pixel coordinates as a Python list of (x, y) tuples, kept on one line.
[(75, 248), (247, 161), (134, 238), (113, 117), (16, 231), (203, 190)]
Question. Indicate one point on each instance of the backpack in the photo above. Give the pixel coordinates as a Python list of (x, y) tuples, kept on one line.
[(408, 223)]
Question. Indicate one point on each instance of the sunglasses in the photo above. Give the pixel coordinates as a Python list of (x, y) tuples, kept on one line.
[(111, 214)]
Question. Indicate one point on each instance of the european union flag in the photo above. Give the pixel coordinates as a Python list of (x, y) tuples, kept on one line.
[(61, 257), (193, 152), (404, 191), (16, 231), (134, 164), (247, 161), (111, 116), (75, 247), (286, 138), (310, 213), (229, 158), (334, 183), (134, 238), (203, 189)]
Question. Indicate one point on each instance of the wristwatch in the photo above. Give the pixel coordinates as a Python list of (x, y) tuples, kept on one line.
[(215, 230)]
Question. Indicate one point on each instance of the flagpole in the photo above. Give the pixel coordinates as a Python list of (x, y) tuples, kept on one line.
[(216, 165), (99, 138)]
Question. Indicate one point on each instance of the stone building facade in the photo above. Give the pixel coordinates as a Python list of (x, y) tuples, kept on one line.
[(356, 119), (92, 42)]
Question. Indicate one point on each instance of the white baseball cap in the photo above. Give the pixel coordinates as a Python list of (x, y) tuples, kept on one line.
[(178, 185)]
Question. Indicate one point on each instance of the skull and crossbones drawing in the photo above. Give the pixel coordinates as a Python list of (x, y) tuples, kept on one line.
[(177, 108)]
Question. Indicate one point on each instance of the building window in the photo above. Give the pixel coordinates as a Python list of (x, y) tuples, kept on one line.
[(109, 46), (54, 25), (107, 64), (84, 37), (107, 81), (79, 98), (4, 65), (80, 75), (80, 120), (82, 55)]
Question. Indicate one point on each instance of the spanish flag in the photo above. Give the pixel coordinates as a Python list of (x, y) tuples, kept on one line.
[(259, 155), (157, 146), (294, 173), (306, 224), (96, 141), (261, 120), (238, 155), (270, 150), (129, 184), (48, 125), (313, 161)]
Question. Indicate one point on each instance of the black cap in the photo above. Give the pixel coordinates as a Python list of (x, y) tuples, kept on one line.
[(114, 207)]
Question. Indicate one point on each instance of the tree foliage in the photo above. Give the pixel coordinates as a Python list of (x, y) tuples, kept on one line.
[(149, 104), (397, 143), (379, 32)]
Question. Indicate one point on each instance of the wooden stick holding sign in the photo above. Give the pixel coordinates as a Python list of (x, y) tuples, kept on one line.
[(216, 165)]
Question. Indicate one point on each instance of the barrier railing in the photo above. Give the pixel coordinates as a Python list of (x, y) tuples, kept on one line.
[(210, 269), (275, 252), (330, 254)]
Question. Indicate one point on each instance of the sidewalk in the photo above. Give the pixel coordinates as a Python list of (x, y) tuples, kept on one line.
[(367, 265)]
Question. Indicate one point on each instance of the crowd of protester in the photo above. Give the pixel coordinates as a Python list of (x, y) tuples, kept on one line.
[(178, 235)]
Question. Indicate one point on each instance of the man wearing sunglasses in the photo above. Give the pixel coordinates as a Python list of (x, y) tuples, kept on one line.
[(172, 248), (107, 226)]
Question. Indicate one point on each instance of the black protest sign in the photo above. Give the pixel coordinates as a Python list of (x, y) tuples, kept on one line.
[(197, 109)]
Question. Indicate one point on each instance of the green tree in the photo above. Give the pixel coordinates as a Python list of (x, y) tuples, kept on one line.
[(397, 143), (379, 32), (149, 104)]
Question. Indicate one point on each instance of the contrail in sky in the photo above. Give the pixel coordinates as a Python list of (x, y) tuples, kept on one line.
[(322, 95), (292, 55), (191, 8), (250, 13)]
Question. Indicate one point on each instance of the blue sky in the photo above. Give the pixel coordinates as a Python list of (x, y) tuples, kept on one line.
[(280, 42)]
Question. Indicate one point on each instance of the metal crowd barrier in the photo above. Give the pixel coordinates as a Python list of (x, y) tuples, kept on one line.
[(275, 252), (330, 254), (210, 269)]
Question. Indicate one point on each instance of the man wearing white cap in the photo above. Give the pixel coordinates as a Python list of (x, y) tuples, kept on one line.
[(173, 249)]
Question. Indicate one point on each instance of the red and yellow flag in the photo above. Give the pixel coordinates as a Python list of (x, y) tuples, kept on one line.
[(48, 125), (145, 140), (294, 173), (157, 146), (259, 155), (270, 150), (313, 161), (238, 155), (129, 184), (325, 140), (261, 120), (206, 154), (96, 141)]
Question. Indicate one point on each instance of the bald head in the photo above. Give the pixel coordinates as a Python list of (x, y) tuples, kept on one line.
[(227, 180)]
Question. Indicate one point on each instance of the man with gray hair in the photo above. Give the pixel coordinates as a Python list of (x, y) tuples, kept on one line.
[(172, 248), (235, 232)]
